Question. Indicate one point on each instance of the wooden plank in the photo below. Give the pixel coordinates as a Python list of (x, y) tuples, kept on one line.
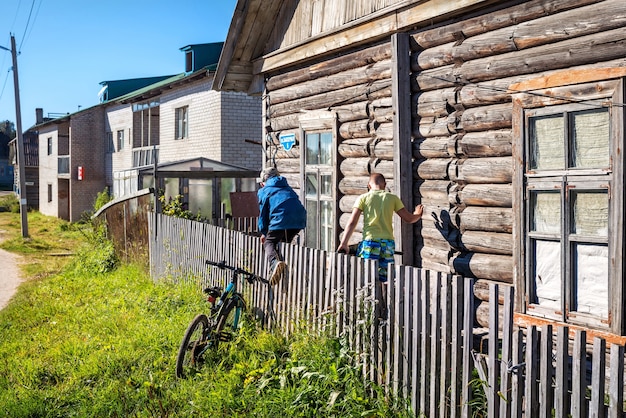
[(456, 364), (616, 385), (525, 321), (416, 341), (616, 288), (468, 326), (598, 371), (435, 351), (517, 379), (507, 351), (493, 400), (351, 302), (425, 378), (388, 319), (579, 372), (377, 330), (561, 408), (446, 337), (546, 391), (401, 104), (532, 368), (407, 330), (395, 303)]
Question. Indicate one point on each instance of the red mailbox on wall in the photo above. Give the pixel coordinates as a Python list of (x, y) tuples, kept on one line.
[(80, 172)]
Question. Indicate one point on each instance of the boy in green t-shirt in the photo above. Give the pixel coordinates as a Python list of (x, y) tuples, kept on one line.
[(378, 207)]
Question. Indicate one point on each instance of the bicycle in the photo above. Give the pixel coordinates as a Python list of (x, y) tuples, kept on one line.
[(205, 332)]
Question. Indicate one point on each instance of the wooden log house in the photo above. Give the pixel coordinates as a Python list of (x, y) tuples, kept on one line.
[(505, 119)]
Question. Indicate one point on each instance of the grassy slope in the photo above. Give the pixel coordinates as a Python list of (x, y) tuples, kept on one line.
[(78, 343)]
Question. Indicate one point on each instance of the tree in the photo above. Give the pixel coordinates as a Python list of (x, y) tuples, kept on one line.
[(8, 128)]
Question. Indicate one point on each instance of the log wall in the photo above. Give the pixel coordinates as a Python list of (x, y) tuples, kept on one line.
[(462, 118), (461, 111), (356, 88)]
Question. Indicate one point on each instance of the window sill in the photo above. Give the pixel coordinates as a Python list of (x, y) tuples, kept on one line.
[(525, 321)]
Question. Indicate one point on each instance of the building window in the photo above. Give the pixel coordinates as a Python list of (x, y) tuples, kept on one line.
[(189, 61), (570, 216), (319, 187), (110, 143), (120, 140), (49, 192), (49, 145), (182, 124)]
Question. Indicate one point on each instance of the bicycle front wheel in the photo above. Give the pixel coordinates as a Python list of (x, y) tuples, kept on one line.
[(193, 346), (228, 321)]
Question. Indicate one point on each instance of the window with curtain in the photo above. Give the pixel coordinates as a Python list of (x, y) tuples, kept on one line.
[(567, 191), (319, 185)]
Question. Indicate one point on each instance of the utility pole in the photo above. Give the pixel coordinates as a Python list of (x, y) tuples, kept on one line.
[(20, 141)]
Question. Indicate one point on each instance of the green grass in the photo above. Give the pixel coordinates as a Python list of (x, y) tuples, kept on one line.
[(101, 342)]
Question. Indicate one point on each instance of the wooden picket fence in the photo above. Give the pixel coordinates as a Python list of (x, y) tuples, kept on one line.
[(415, 336)]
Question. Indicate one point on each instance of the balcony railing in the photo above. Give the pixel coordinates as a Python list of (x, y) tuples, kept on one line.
[(145, 156), (64, 165)]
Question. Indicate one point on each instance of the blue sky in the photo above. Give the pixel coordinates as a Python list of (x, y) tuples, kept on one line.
[(67, 47)]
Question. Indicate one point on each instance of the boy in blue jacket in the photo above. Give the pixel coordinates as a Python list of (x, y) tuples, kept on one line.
[(281, 217)]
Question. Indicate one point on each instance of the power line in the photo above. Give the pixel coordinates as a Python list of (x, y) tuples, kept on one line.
[(26, 36), (32, 5), (5, 83)]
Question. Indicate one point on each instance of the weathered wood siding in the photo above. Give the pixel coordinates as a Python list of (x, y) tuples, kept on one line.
[(308, 19)]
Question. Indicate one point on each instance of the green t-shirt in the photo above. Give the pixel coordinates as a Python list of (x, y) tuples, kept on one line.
[(378, 207)]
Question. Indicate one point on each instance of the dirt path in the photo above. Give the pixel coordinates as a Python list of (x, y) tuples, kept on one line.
[(9, 275)]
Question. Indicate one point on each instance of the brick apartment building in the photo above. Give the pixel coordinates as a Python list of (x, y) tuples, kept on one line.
[(175, 118)]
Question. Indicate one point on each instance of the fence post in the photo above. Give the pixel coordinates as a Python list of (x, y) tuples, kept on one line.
[(579, 385), (468, 337), (596, 407), (493, 400)]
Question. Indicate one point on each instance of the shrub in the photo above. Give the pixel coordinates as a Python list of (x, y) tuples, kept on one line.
[(9, 203), (98, 255), (102, 198)]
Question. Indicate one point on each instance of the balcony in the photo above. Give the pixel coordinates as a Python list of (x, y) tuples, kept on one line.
[(145, 156)]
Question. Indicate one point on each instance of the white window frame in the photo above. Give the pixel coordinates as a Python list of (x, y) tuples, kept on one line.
[(182, 122), (314, 123), (120, 140)]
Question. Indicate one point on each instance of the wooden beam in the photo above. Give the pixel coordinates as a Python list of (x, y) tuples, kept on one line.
[(401, 105), (525, 321), (567, 77)]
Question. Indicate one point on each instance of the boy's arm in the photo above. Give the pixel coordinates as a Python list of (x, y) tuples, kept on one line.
[(411, 218), (347, 233)]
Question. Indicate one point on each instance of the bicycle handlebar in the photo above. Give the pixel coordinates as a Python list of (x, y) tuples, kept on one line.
[(251, 277)]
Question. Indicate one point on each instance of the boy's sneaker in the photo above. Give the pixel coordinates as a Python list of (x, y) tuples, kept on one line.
[(277, 272)]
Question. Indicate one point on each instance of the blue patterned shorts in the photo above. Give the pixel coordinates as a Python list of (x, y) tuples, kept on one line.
[(381, 250)]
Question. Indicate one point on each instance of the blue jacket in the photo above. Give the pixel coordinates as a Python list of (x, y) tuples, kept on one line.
[(279, 207)]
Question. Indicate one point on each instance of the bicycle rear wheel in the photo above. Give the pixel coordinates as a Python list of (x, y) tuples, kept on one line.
[(228, 321), (193, 345)]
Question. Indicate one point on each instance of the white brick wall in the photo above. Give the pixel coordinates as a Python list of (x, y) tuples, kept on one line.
[(218, 124), (119, 117), (48, 167), (241, 120)]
